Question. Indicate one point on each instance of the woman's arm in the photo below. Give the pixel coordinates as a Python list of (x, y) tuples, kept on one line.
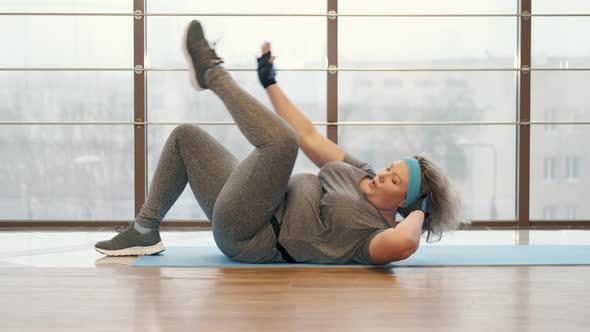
[(389, 246), (411, 226), (285, 108), (316, 147), (398, 243)]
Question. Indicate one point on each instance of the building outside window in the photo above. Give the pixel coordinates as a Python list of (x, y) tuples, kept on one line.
[(571, 212), (572, 167), (551, 169), (550, 116), (550, 212)]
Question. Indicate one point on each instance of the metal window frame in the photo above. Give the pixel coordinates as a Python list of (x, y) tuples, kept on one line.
[(139, 106), (523, 144), (327, 14), (522, 222)]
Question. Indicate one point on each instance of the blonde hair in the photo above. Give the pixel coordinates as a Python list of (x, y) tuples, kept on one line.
[(444, 203)]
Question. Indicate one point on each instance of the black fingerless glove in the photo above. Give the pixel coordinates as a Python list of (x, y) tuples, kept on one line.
[(266, 71), (420, 204)]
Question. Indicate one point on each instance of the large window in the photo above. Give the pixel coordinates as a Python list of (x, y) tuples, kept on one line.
[(558, 150), (66, 172), (479, 159), (453, 69)]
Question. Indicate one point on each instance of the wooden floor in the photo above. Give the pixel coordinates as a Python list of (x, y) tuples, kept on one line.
[(536, 298)]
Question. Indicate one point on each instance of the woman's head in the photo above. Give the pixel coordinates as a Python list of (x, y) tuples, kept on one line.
[(443, 200), (387, 190)]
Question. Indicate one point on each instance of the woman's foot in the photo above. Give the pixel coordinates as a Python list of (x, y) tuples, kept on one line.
[(200, 56), (130, 242)]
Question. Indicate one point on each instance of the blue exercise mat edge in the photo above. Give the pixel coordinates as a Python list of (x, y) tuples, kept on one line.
[(428, 255)]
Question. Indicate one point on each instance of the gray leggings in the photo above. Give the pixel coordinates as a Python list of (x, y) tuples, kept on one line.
[(239, 198)]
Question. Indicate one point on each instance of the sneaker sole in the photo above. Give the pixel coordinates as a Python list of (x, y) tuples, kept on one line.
[(134, 251), (191, 68)]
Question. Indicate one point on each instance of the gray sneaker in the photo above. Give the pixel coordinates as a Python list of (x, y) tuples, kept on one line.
[(199, 54), (130, 242)]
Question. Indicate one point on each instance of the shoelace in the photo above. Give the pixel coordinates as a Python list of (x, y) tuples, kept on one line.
[(211, 51), (214, 55)]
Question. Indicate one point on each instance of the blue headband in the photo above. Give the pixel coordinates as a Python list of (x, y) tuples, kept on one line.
[(414, 182)]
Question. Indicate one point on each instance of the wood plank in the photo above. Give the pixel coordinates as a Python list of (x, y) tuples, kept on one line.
[(314, 299)]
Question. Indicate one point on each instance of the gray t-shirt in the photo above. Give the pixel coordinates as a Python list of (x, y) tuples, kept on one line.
[(326, 218)]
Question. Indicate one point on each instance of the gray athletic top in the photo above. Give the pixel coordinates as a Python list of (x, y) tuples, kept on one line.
[(326, 218)]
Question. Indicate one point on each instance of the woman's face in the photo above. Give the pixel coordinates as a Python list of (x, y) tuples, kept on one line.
[(388, 189)]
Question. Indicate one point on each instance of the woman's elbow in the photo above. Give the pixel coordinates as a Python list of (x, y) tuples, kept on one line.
[(411, 252), (412, 248)]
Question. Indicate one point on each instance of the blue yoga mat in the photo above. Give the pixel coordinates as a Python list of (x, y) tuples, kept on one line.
[(425, 256)]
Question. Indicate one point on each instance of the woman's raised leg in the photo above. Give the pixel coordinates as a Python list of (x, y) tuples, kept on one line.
[(251, 191), (254, 190)]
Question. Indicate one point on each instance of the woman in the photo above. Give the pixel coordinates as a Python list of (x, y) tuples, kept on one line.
[(259, 212)]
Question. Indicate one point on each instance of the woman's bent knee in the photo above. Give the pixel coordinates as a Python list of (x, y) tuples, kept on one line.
[(288, 141), (185, 127)]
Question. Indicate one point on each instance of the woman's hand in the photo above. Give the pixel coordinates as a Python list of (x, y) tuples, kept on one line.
[(420, 204), (266, 70)]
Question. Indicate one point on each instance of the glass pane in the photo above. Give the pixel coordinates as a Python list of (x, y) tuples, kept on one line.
[(428, 7), (560, 7), (560, 96), (560, 42), (171, 97), (559, 173), (66, 42), (187, 207), (67, 6), (239, 40), (431, 42), (65, 173), (479, 160), (237, 6), (66, 96), (427, 96)]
